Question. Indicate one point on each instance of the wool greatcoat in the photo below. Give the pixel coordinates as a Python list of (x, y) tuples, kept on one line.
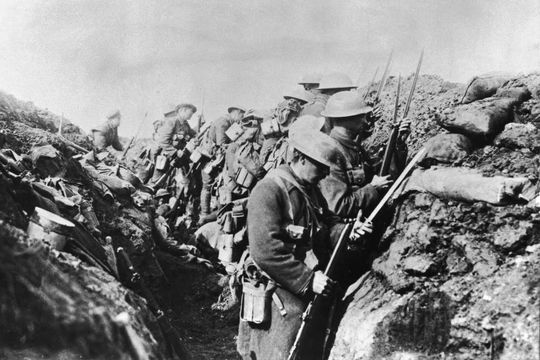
[(288, 261), (347, 188)]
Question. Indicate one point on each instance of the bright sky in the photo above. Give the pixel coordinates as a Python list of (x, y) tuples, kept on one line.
[(85, 58)]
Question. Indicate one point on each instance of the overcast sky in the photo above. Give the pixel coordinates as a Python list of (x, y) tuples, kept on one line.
[(86, 58)]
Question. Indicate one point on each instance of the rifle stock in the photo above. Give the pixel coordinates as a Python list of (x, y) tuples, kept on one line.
[(345, 235)]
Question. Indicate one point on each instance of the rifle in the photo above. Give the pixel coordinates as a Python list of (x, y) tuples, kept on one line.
[(318, 301), (133, 138), (391, 144), (371, 83), (383, 79), (199, 121), (387, 158), (174, 341)]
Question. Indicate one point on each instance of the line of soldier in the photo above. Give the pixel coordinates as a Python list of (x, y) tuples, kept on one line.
[(285, 187)]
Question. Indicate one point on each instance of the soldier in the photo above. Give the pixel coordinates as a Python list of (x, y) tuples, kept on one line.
[(283, 116), (172, 135), (330, 84), (352, 185), (243, 167), (106, 134), (310, 82), (174, 131), (288, 245), (213, 147)]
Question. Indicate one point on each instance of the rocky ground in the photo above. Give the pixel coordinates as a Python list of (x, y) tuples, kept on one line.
[(454, 279), (451, 279)]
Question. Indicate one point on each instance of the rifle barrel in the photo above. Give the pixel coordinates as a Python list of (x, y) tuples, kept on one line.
[(391, 143), (413, 86), (371, 83), (383, 79)]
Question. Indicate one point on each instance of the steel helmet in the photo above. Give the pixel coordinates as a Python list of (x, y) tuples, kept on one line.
[(298, 94), (231, 108), (345, 104), (316, 145), (336, 80), (306, 123), (312, 78), (170, 110)]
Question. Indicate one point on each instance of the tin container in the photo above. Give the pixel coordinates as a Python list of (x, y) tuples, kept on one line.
[(50, 228)]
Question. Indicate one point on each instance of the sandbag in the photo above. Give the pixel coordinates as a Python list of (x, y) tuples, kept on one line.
[(48, 161), (447, 148), (464, 184), (484, 118), (519, 136), (483, 86), (520, 94)]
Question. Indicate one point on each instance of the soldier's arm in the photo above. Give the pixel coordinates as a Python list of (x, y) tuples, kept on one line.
[(249, 159), (345, 201), (221, 127), (269, 244)]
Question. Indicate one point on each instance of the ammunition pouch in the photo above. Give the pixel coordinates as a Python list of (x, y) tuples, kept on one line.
[(234, 132), (232, 217), (256, 301), (356, 176), (258, 292), (244, 179)]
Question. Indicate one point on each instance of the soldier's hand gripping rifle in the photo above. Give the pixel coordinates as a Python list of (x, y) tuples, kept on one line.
[(318, 301), (392, 140), (176, 347)]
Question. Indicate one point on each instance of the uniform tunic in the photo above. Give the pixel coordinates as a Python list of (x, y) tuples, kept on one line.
[(289, 262), (216, 132), (316, 105), (169, 127), (106, 135), (345, 195)]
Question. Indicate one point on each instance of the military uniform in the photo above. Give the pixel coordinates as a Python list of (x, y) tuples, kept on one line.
[(165, 135), (213, 142), (242, 155), (216, 132), (106, 135), (289, 246), (316, 105), (347, 188), (281, 199)]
